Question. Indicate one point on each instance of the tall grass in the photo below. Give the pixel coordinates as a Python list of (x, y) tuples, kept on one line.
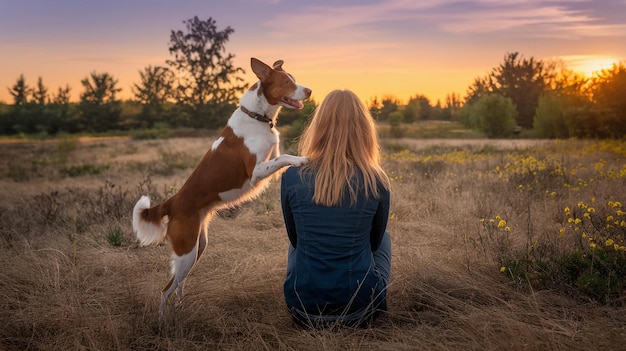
[(474, 230)]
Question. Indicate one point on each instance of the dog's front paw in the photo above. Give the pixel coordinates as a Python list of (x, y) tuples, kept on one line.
[(300, 161)]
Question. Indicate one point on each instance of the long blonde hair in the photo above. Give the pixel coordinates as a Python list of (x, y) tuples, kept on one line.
[(340, 138)]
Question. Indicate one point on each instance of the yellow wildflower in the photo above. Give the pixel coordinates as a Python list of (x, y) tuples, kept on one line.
[(592, 245), (502, 269), (502, 223), (609, 242)]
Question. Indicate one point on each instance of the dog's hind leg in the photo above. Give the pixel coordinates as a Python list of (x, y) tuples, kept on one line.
[(184, 236), (202, 242), (204, 233), (181, 266)]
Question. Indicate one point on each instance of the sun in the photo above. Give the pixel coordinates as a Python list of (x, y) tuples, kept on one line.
[(589, 65)]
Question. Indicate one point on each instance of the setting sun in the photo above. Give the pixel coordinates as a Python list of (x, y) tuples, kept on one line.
[(590, 65)]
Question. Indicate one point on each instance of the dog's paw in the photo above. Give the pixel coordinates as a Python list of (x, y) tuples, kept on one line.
[(300, 161)]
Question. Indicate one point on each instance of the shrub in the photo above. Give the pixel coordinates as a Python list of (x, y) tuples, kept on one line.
[(550, 118), (114, 236), (494, 115), (592, 258), (395, 122)]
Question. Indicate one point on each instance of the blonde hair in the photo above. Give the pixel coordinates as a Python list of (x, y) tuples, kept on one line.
[(340, 138)]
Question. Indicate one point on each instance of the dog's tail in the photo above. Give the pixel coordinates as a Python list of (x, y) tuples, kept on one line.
[(150, 223)]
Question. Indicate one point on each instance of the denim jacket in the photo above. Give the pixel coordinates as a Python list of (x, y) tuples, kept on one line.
[(331, 269)]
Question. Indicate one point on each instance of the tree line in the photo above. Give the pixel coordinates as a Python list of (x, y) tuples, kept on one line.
[(199, 87), (543, 99)]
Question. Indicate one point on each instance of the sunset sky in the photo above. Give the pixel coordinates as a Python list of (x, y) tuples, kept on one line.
[(397, 48)]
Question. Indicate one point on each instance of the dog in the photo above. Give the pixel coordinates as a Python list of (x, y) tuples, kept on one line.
[(235, 169)]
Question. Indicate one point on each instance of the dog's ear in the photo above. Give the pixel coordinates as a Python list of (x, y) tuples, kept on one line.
[(261, 70), (278, 65)]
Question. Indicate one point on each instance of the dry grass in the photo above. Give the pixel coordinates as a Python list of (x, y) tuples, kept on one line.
[(65, 286)]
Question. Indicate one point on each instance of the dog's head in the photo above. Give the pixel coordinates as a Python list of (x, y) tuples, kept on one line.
[(278, 86)]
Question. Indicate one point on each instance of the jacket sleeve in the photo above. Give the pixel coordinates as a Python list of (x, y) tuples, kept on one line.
[(379, 223), (290, 225)]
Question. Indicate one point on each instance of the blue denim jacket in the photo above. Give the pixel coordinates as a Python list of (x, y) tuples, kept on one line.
[(332, 270)]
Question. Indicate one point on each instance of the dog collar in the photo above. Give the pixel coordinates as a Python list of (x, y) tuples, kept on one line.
[(258, 116)]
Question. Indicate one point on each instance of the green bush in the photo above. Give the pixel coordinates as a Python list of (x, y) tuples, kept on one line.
[(114, 236), (494, 115), (395, 122), (550, 118)]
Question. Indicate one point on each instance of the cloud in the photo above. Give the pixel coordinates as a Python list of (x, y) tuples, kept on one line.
[(543, 18), (331, 19)]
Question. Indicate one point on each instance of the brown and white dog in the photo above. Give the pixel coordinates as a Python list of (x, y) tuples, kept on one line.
[(235, 169)]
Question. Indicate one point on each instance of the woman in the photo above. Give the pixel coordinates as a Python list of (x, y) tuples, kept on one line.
[(336, 209)]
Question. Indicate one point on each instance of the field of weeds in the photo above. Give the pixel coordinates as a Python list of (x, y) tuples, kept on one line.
[(497, 245)]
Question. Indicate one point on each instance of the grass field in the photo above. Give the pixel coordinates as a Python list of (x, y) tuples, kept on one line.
[(74, 278)]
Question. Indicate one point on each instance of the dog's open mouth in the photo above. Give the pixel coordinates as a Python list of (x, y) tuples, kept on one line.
[(292, 103)]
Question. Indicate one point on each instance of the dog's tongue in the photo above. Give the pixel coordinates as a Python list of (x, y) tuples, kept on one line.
[(297, 104)]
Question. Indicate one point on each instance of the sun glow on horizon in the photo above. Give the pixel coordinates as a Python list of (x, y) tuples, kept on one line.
[(590, 65)]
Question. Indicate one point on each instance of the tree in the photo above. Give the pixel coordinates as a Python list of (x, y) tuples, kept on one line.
[(375, 107), (395, 123), (494, 115), (550, 118), (40, 93), (208, 81), (451, 107), (154, 92), (20, 92), (560, 108), (522, 80), (99, 108), (61, 106), (609, 92), (412, 110), (481, 86), (388, 105), (62, 96), (426, 108)]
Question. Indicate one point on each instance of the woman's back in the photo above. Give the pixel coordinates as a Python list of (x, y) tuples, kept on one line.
[(335, 210), (333, 271)]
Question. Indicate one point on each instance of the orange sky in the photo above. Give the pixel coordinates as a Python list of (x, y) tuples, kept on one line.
[(374, 47)]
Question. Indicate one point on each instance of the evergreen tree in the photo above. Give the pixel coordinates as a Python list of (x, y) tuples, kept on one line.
[(99, 107)]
